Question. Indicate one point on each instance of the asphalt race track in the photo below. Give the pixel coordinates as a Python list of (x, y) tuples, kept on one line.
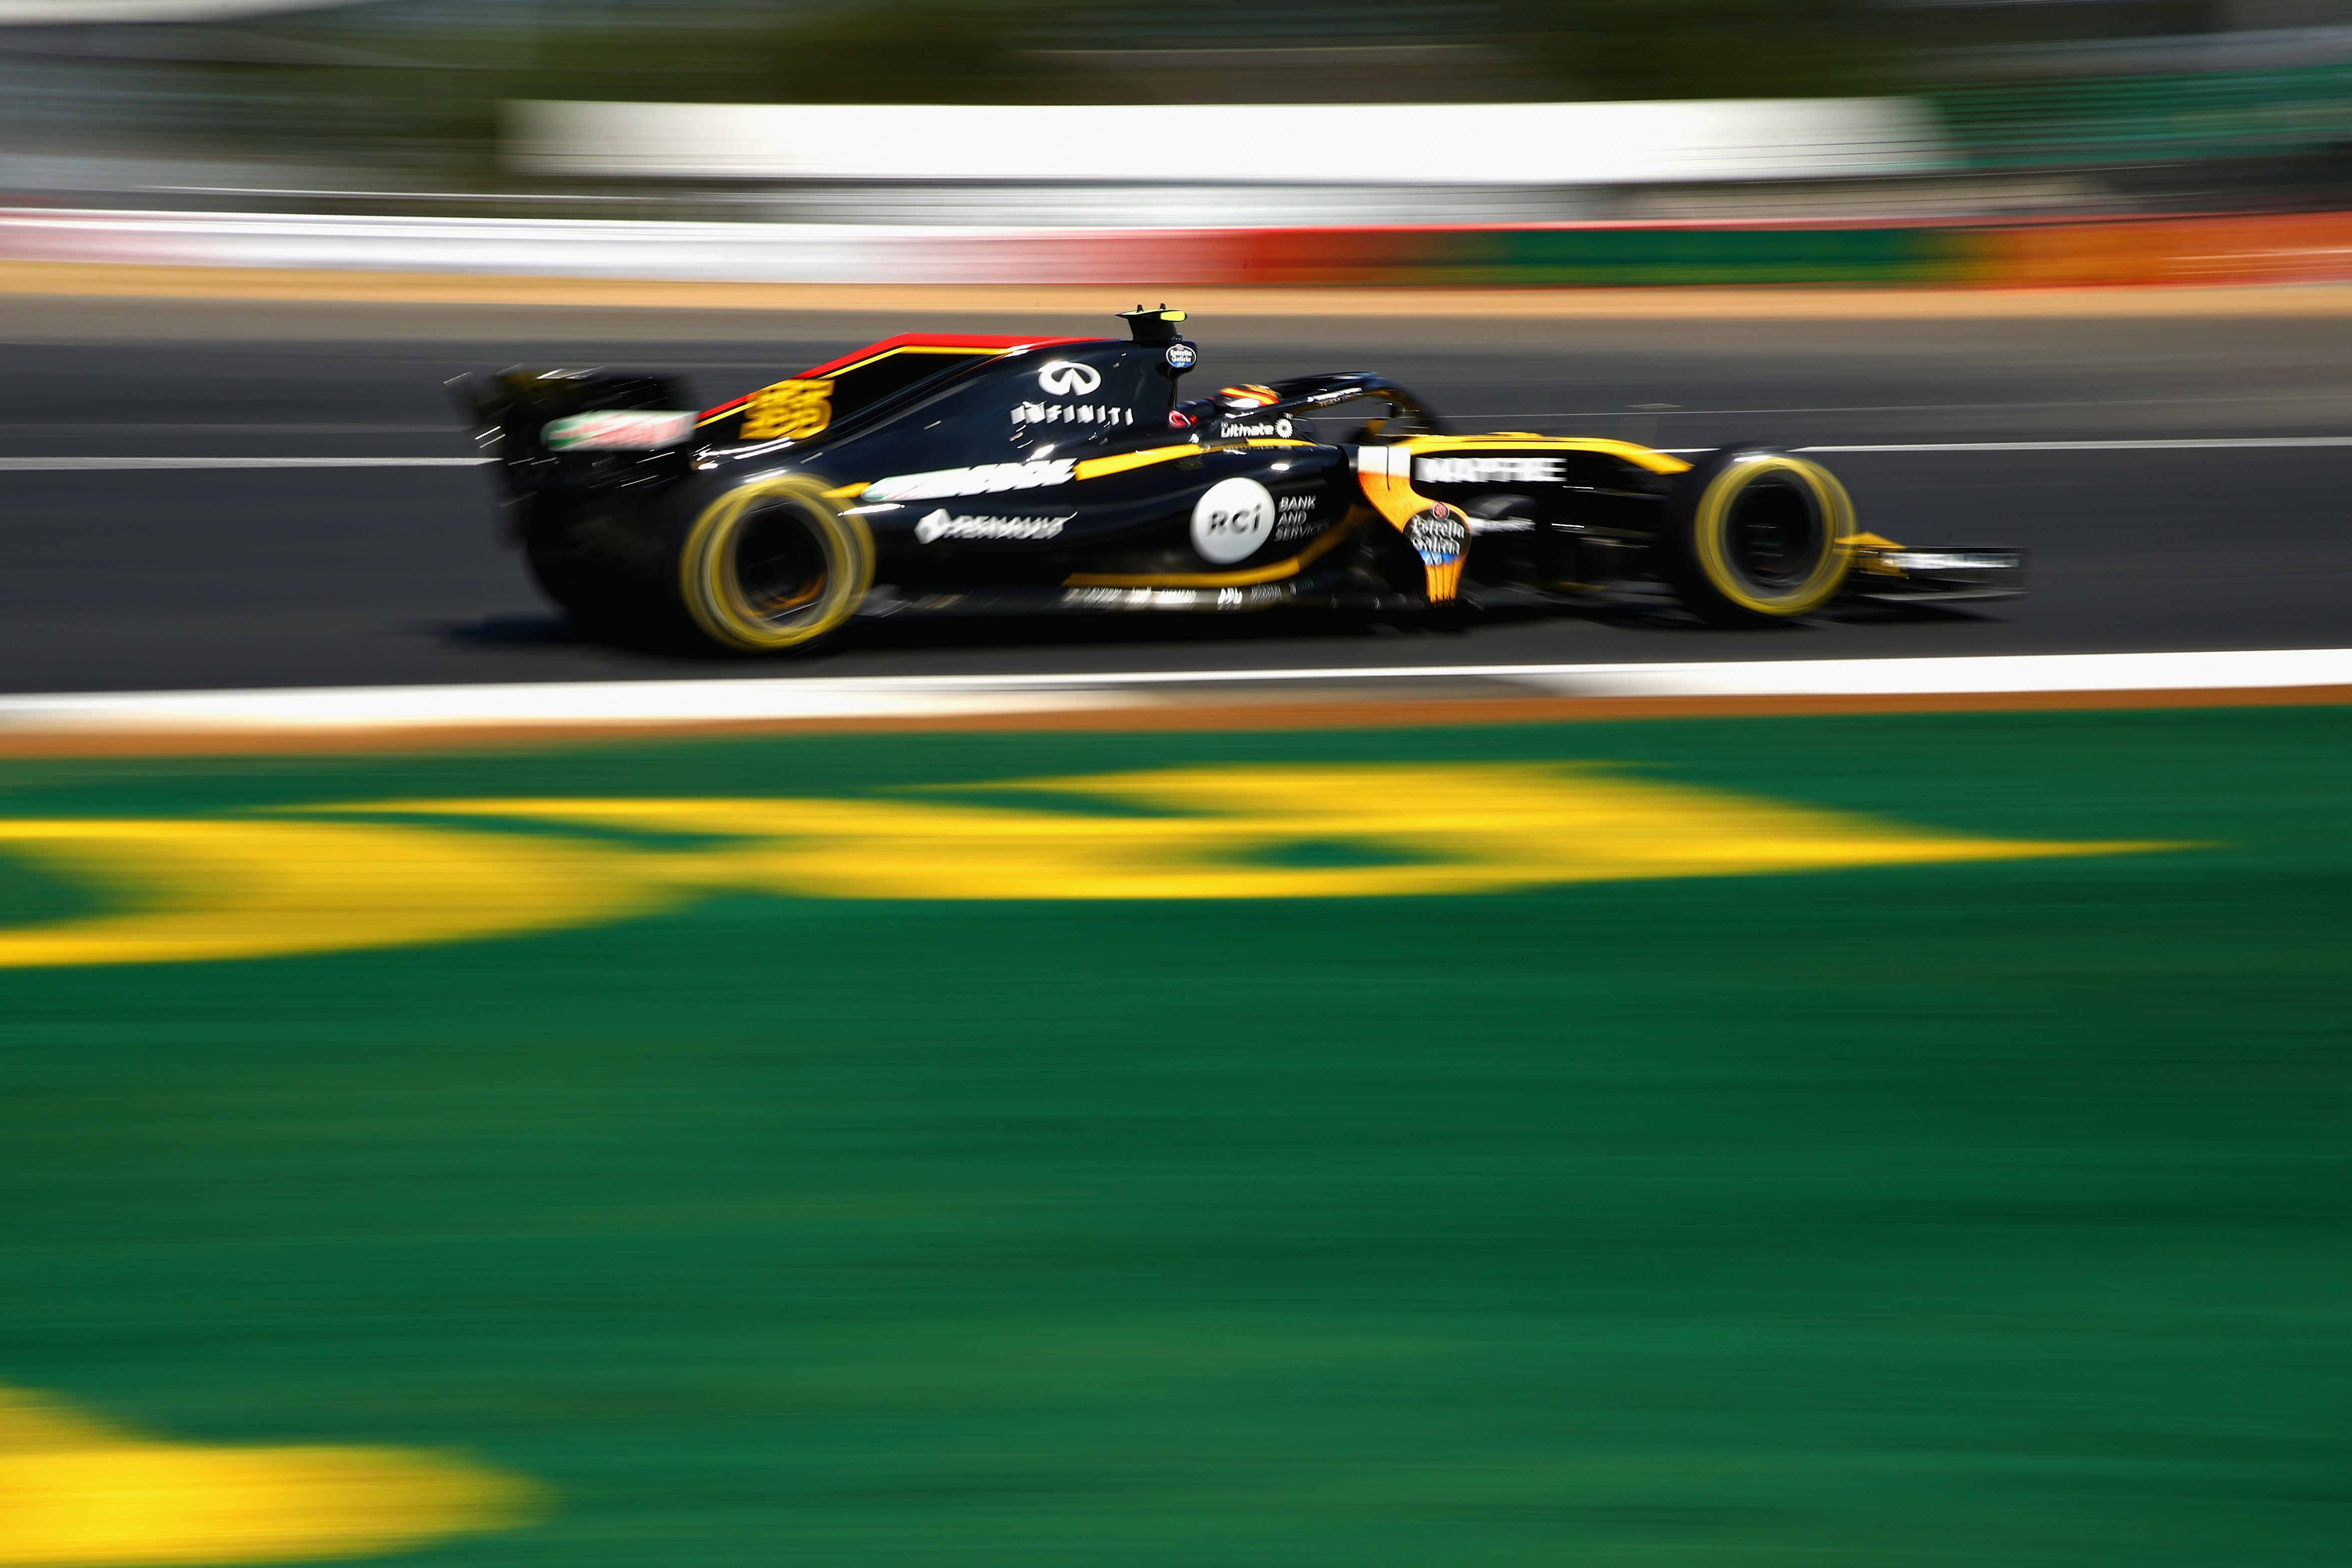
[(128, 579)]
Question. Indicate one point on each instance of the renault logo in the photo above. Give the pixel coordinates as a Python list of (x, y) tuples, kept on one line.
[(1066, 378)]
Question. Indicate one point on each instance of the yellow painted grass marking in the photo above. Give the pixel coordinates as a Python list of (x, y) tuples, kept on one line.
[(78, 1493), (1445, 828), (254, 886), (246, 888)]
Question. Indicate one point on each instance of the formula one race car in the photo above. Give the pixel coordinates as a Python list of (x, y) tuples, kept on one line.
[(931, 472)]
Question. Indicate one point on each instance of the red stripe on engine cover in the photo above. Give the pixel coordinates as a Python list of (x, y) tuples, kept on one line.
[(939, 340), (913, 340)]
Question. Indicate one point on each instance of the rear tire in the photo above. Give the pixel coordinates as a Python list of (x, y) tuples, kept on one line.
[(774, 566), (1755, 536)]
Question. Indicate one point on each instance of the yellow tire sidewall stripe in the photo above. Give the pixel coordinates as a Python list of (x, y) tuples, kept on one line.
[(1711, 525), (706, 566)]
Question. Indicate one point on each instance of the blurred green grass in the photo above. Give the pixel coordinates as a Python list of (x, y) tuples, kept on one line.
[(1927, 1216)]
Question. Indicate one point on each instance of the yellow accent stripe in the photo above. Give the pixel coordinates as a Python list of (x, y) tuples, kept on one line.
[(916, 349), (1275, 573), (1097, 468)]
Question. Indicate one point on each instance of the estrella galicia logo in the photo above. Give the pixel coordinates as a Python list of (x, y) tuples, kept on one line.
[(1182, 356), (1438, 536), (1067, 377)]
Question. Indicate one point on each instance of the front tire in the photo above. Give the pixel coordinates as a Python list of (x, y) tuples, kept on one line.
[(774, 566), (1755, 536)]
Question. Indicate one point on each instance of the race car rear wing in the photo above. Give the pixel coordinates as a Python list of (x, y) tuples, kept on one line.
[(589, 429)]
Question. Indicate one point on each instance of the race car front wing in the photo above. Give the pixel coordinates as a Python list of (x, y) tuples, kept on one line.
[(1887, 573)]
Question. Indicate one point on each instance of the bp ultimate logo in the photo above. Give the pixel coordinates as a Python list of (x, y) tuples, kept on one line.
[(1278, 428)]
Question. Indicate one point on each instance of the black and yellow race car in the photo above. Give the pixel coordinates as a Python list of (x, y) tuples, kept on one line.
[(959, 473)]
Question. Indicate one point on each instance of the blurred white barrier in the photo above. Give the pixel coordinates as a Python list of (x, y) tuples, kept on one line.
[(623, 703), (82, 13), (1381, 144), (552, 247)]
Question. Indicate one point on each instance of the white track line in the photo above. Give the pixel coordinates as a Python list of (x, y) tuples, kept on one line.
[(640, 703), (77, 464)]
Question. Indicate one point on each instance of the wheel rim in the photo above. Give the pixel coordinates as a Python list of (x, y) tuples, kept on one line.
[(1774, 534), (776, 563)]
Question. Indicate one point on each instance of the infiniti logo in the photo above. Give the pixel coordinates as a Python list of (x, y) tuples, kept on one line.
[(1066, 378)]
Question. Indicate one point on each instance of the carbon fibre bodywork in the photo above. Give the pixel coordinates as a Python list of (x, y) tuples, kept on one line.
[(940, 473)]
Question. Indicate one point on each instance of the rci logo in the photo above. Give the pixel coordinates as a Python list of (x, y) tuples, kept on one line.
[(403, 873), (1230, 520), (1067, 377)]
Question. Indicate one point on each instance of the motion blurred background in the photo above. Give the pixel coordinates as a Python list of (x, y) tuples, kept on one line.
[(1969, 1210), (1947, 108)]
